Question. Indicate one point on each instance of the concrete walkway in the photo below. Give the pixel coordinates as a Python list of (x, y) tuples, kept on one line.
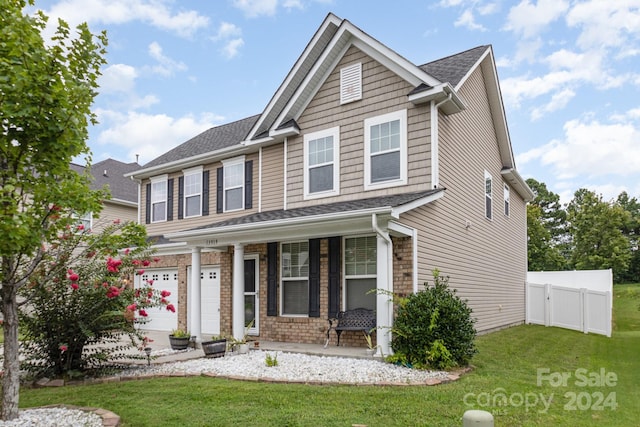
[(161, 349)]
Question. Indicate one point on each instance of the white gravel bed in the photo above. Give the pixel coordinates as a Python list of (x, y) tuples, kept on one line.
[(54, 417), (294, 367), (291, 367)]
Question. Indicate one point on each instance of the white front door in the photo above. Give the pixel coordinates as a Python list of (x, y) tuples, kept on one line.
[(209, 300), (251, 294)]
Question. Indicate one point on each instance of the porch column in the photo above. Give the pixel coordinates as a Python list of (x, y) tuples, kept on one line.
[(195, 295), (238, 291), (384, 281)]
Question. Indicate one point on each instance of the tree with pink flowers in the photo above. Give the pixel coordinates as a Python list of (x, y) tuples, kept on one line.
[(82, 310)]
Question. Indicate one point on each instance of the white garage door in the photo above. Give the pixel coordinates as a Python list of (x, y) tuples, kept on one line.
[(209, 300), (160, 318)]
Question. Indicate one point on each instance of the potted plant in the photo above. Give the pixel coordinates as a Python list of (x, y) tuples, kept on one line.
[(217, 347), (179, 339), (241, 345)]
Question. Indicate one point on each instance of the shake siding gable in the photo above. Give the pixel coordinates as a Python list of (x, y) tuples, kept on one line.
[(382, 92), (486, 261)]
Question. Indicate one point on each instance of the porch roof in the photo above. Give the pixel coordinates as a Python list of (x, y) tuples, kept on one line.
[(351, 216)]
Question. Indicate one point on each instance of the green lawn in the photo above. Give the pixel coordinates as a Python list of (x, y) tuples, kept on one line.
[(507, 365)]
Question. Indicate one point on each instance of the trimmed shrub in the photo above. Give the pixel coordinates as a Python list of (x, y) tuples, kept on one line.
[(434, 328)]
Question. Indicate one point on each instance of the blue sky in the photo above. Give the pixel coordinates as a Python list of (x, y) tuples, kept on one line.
[(569, 71)]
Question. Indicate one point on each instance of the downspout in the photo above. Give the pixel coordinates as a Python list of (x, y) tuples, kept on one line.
[(139, 196), (284, 180), (435, 169), (383, 300)]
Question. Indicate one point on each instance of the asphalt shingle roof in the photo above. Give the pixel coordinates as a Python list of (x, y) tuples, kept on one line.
[(213, 139), (453, 68), (110, 173), (323, 209)]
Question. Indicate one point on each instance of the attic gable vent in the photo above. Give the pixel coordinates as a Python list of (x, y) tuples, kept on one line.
[(351, 83)]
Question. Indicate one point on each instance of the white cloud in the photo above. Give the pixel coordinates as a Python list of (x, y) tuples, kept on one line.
[(157, 14), (631, 115), (467, 20), (529, 19), (227, 30), (255, 8), (558, 102), (117, 78), (149, 135), (166, 66), (606, 23), (591, 149), (231, 48)]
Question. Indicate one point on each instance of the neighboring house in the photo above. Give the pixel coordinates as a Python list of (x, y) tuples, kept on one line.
[(123, 204), (364, 171)]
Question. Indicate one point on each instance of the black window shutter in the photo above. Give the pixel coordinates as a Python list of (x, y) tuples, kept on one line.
[(180, 197), (272, 279), (314, 278), (334, 276), (170, 199), (248, 184), (219, 189), (205, 193), (147, 217)]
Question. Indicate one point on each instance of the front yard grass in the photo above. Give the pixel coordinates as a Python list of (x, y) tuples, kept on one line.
[(507, 365)]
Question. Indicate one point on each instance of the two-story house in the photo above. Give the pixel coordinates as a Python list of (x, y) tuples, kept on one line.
[(123, 203), (364, 171)]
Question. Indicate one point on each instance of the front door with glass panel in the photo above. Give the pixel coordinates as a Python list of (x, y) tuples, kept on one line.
[(251, 304)]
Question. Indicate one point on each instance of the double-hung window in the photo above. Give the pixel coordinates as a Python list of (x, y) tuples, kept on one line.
[(360, 272), (385, 142), (159, 199), (321, 163), (488, 191), (295, 278), (193, 192), (507, 199), (233, 184)]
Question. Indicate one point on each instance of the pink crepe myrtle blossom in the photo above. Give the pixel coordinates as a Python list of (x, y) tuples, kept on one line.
[(113, 265), (63, 347), (171, 308), (139, 272), (165, 293), (72, 275), (75, 286), (142, 313), (113, 292), (132, 307), (150, 282)]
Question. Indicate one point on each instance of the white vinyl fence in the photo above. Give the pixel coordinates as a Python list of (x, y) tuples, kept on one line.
[(580, 300)]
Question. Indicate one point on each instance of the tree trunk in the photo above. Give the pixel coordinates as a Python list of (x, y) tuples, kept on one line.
[(11, 366)]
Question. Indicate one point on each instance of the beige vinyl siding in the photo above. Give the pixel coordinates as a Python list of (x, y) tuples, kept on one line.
[(383, 92), (272, 178), (112, 212), (160, 228), (486, 262)]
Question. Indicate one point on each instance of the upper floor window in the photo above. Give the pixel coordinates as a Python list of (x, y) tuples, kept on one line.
[(83, 221), (321, 163), (159, 199), (385, 142), (193, 192), (351, 83), (488, 195), (233, 184), (507, 199), (295, 278)]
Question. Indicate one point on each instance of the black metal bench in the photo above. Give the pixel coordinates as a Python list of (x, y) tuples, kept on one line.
[(358, 319)]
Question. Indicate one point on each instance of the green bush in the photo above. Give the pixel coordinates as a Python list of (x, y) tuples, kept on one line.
[(434, 328), (81, 310)]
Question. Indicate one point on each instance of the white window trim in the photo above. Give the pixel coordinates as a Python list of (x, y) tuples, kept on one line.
[(155, 180), (284, 279), (187, 172), (335, 133), (351, 83), (487, 175), (345, 277), (226, 164), (396, 115), (507, 200)]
